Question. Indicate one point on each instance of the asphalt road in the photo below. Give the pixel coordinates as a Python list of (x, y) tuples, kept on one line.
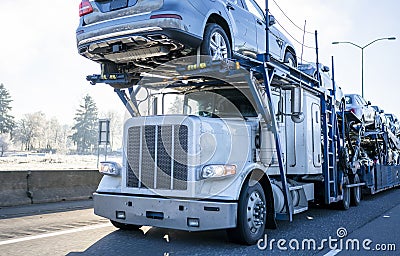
[(71, 228)]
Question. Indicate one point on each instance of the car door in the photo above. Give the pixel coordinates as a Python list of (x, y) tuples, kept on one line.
[(243, 28), (275, 41)]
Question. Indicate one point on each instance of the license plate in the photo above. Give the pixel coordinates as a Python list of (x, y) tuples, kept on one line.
[(118, 4)]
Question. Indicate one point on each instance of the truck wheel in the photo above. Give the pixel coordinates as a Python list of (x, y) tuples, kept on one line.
[(345, 203), (356, 191), (251, 216), (215, 43), (124, 226)]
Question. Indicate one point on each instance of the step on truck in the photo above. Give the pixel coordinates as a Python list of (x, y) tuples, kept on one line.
[(236, 145)]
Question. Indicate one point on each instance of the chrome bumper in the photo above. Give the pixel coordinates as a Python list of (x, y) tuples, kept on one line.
[(166, 213)]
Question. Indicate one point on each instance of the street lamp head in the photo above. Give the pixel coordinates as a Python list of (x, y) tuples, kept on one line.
[(392, 38), (335, 42)]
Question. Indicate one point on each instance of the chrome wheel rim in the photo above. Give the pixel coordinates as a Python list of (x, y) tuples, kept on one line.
[(255, 212), (218, 46)]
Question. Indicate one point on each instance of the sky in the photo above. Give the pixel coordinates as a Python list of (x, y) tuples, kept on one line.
[(41, 68)]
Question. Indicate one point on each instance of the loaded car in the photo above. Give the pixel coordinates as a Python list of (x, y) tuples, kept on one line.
[(380, 118), (361, 109), (325, 78), (393, 122), (134, 36)]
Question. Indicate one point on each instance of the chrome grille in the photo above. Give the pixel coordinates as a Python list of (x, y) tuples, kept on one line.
[(157, 157)]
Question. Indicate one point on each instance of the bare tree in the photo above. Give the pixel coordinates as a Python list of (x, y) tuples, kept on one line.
[(3, 144), (30, 131)]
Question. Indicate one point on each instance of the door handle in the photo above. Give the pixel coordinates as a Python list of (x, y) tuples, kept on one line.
[(229, 6)]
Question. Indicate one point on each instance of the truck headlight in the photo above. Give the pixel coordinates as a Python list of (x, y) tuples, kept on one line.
[(110, 168), (213, 171)]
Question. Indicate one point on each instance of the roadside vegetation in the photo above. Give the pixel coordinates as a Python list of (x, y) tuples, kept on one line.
[(41, 140)]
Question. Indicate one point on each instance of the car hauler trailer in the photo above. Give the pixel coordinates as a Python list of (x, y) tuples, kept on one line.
[(236, 145)]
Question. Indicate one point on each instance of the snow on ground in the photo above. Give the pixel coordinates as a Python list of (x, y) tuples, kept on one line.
[(26, 161)]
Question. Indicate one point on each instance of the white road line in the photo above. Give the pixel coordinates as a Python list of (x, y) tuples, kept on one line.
[(333, 252), (58, 233)]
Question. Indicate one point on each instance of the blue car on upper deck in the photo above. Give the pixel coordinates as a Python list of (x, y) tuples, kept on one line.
[(134, 36)]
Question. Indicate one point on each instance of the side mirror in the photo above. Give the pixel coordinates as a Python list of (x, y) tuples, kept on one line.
[(369, 103), (272, 20), (382, 111)]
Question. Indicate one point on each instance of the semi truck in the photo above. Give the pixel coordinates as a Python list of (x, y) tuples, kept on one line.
[(237, 145)]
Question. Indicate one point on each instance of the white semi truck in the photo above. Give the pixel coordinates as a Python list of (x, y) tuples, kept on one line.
[(236, 145)]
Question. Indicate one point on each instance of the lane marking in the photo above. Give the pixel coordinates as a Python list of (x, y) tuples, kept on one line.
[(333, 252), (58, 233)]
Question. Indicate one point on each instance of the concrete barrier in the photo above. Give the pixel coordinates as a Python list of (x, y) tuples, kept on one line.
[(13, 188), (25, 187)]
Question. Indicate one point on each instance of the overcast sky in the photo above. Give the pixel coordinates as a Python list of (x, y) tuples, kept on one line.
[(41, 68)]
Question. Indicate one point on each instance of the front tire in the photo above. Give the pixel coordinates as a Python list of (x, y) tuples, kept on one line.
[(251, 215), (215, 43)]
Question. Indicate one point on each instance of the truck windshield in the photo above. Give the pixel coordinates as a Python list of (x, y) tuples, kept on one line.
[(207, 103), (219, 103)]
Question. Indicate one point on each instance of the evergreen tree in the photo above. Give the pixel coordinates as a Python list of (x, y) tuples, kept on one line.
[(86, 126), (7, 122)]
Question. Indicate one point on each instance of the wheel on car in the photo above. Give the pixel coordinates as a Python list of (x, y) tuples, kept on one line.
[(215, 43), (290, 59), (251, 215), (124, 226)]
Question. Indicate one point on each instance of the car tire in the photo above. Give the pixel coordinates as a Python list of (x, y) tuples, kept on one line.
[(124, 226), (290, 59), (215, 43), (252, 214)]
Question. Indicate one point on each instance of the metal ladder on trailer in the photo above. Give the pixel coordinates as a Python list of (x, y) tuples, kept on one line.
[(332, 137)]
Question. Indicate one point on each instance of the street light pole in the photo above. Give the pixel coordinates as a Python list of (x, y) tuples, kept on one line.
[(362, 56)]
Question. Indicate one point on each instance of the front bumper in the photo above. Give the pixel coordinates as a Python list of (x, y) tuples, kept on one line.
[(166, 213)]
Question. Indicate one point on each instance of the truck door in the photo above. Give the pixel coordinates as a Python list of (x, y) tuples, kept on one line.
[(278, 101), (316, 134)]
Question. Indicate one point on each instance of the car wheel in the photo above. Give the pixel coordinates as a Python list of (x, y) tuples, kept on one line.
[(215, 43), (124, 226), (290, 59), (251, 217)]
